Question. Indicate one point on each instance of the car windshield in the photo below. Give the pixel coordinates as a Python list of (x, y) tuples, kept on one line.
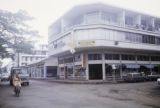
[(24, 71)]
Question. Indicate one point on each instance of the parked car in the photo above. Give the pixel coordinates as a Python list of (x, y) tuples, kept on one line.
[(153, 77), (134, 77), (158, 81), (4, 77)]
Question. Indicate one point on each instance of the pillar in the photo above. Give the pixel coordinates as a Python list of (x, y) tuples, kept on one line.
[(73, 66), (45, 71), (85, 64), (122, 18), (121, 73), (103, 67), (153, 22)]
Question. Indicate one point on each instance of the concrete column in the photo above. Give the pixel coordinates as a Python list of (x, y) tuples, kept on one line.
[(150, 63), (73, 67), (103, 67), (153, 22), (85, 64), (45, 71), (122, 18), (121, 66)]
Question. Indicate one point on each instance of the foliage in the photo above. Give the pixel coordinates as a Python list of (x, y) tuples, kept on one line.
[(14, 32)]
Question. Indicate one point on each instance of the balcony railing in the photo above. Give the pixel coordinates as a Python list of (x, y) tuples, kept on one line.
[(148, 28)]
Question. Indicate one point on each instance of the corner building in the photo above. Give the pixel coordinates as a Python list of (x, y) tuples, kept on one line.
[(90, 38)]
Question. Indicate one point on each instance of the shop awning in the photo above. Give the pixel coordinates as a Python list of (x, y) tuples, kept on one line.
[(133, 66), (148, 66)]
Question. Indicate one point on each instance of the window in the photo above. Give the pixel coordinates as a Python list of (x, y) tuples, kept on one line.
[(132, 37), (157, 40), (142, 58), (112, 57), (155, 58), (77, 58), (68, 60), (26, 58), (129, 20), (94, 57), (148, 39), (31, 58), (109, 17), (92, 17), (60, 61), (128, 57)]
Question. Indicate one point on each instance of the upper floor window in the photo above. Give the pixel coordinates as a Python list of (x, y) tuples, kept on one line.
[(94, 57), (60, 61), (77, 58), (155, 58), (26, 58), (129, 20), (31, 58), (157, 24), (128, 57), (148, 39), (112, 57), (142, 58), (92, 17), (68, 60), (109, 17)]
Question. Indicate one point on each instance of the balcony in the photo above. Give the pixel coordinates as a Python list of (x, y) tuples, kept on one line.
[(140, 23)]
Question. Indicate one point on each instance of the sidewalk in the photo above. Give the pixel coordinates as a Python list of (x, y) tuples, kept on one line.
[(71, 81)]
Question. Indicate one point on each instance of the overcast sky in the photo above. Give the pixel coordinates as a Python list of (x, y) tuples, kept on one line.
[(47, 11)]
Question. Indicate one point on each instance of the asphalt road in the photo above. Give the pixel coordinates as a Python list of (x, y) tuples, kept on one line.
[(43, 94)]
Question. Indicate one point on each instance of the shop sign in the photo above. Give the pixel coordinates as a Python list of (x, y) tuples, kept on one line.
[(86, 43)]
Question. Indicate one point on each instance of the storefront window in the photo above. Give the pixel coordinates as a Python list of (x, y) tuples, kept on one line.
[(69, 71), (146, 69), (156, 69), (79, 71)]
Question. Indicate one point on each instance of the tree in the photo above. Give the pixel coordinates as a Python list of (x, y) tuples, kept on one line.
[(14, 32)]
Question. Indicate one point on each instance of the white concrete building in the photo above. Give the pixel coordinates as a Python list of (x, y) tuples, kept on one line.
[(24, 59), (43, 68), (89, 39)]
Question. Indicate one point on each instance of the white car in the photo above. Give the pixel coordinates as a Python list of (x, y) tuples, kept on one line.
[(158, 81), (4, 77)]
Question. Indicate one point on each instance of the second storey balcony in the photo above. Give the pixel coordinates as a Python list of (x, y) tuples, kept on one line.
[(108, 16)]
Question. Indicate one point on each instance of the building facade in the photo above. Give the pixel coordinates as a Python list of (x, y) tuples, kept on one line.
[(89, 39), (44, 68), (23, 59)]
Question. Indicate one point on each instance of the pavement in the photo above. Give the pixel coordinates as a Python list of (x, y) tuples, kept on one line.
[(72, 81), (44, 94)]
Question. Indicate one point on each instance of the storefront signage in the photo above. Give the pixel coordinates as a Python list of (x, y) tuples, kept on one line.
[(86, 43)]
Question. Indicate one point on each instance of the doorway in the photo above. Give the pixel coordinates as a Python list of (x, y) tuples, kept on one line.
[(95, 71)]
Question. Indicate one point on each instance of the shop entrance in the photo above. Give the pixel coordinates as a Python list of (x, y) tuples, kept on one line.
[(51, 71), (95, 71)]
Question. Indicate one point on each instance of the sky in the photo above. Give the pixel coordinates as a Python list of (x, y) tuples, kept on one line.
[(46, 12)]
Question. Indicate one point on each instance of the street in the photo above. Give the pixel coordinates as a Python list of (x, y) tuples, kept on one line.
[(43, 94)]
